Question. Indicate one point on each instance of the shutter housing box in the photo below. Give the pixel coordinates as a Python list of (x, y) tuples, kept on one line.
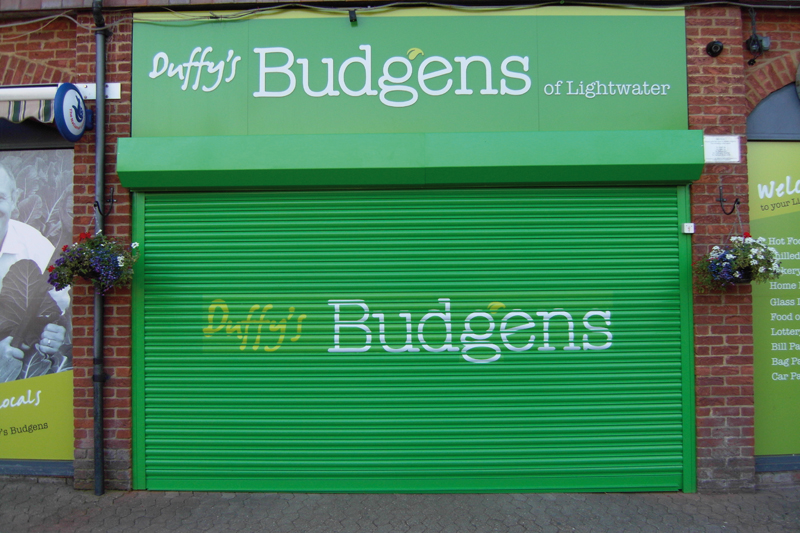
[(415, 160)]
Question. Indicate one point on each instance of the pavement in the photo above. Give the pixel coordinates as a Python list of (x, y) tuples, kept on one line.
[(53, 505)]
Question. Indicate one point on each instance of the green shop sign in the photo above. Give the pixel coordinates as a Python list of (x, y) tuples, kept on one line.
[(409, 71)]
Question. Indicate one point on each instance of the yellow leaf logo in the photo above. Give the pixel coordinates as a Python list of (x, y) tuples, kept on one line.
[(496, 306), (414, 52)]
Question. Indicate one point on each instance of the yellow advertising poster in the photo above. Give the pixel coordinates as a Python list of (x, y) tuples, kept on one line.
[(36, 394), (36, 418), (775, 215)]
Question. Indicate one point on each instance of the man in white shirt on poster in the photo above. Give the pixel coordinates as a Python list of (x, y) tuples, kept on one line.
[(20, 241)]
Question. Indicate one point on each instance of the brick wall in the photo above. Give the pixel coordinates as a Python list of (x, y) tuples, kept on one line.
[(117, 333), (722, 91), (61, 51), (777, 67), (723, 322), (31, 53)]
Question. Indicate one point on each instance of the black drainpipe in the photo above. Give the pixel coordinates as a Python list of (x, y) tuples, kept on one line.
[(98, 377)]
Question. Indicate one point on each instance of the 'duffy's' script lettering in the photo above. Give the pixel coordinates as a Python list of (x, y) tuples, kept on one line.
[(205, 68), (252, 331), (481, 335)]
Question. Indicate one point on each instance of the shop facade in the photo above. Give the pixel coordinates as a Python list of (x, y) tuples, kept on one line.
[(398, 253)]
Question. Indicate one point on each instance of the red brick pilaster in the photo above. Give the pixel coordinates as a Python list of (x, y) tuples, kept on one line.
[(723, 322), (117, 333)]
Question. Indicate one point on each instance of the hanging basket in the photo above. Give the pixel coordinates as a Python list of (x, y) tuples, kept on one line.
[(101, 260), (745, 276), (743, 260)]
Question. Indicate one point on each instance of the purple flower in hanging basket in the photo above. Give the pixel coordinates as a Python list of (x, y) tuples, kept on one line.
[(103, 261), (745, 259)]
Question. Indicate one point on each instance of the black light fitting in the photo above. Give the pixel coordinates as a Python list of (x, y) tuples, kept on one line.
[(714, 48), (756, 44)]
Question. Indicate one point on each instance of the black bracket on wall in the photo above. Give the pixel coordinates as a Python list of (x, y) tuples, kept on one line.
[(110, 201), (722, 203)]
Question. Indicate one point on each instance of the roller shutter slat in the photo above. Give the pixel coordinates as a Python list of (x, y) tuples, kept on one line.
[(221, 412)]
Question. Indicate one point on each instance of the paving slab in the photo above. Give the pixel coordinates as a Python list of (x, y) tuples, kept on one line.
[(44, 506)]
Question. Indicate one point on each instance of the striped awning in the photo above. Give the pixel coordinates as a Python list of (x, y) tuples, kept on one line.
[(21, 102), (19, 110)]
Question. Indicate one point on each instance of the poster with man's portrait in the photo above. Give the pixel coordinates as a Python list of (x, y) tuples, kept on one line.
[(35, 320)]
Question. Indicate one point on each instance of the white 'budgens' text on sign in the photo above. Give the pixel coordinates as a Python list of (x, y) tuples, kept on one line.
[(480, 331), (430, 68)]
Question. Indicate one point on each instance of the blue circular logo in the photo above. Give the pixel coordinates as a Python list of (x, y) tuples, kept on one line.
[(70, 112)]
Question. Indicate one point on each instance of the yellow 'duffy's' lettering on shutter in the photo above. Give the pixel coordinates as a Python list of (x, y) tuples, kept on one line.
[(251, 330)]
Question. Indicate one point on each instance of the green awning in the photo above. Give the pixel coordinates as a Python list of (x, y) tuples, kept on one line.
[(417, 160)]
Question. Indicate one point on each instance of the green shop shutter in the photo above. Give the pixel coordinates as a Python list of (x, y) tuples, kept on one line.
[(413, 340)]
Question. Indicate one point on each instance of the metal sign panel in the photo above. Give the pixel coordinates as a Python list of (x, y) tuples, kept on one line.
[(410, 71)]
